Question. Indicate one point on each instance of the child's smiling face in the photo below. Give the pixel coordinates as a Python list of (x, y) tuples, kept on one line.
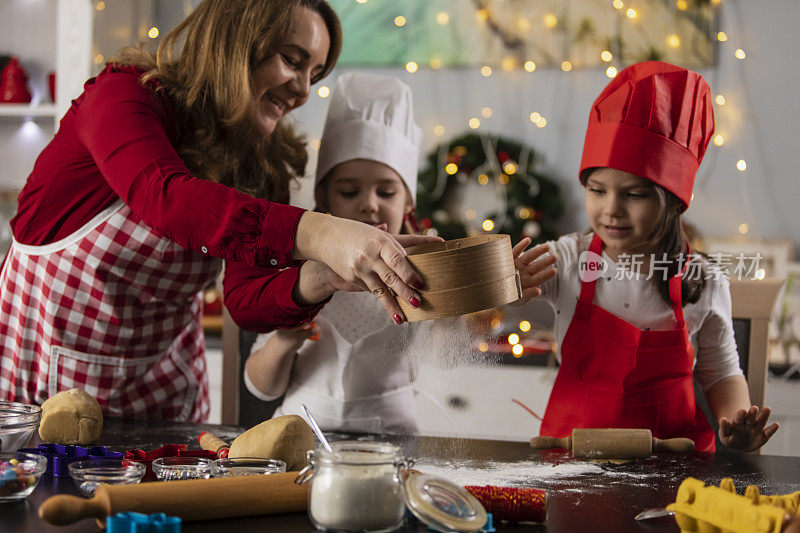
[(366, 191), (623, 210)]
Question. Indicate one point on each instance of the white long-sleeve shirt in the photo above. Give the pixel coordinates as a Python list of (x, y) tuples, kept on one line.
[(356, 377), (638, 302)]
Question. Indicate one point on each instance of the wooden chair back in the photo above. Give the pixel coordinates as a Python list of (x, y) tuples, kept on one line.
[(239, 407), (752, 305)]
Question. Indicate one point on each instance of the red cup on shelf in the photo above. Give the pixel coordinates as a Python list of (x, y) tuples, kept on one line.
[(14, 84), (51, 82)]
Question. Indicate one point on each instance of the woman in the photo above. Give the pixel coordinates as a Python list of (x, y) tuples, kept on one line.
[(158, 171)]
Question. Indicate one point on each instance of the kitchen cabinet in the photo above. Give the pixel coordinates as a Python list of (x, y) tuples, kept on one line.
[(477, 401)]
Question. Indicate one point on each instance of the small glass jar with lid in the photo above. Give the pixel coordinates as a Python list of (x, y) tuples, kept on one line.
[(356, 487), (366, 486)]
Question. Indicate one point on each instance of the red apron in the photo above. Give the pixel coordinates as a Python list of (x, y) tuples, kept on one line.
[(615, 375)]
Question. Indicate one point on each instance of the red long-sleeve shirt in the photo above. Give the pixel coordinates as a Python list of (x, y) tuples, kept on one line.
[(116, 141)]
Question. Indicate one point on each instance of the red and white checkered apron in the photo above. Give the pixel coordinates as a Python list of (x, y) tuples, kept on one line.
[(113, 309)]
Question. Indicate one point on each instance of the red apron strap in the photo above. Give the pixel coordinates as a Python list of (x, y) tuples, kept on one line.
[(587, 287), (675, 288)]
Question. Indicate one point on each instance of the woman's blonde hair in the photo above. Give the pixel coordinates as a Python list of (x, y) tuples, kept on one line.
[(205, 65)]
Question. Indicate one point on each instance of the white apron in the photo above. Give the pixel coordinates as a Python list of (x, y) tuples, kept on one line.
[(355, 377), (113, 309)]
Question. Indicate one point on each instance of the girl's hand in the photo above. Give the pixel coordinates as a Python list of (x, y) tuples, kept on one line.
[(364, 256), (317, 282), (532, 270), (746, 432), (295, 337)]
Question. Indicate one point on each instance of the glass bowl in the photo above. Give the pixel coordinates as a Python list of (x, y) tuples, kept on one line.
[(173, 468), (18, 421), (19, 474), (90, 474), (246, 466)]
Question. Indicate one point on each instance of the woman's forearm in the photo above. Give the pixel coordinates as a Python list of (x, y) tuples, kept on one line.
[(312, 229), (269, 368), (727, 396)]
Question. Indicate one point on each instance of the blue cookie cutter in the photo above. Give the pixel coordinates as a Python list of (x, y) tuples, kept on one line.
[(130, 522), (60, 456)]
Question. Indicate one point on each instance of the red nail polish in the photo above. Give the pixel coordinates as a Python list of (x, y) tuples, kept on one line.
[(414, 302), (398, 319), (418, 285)]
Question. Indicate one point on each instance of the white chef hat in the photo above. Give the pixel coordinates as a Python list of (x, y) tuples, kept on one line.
[(371, 117)]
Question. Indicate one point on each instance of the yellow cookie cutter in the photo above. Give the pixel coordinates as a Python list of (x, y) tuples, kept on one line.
[(720, 510)]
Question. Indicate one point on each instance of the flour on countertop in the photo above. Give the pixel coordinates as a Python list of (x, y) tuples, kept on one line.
[(565, 474), (534, 474)]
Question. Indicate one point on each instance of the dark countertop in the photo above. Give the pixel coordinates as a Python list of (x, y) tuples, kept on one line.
[(583, 496)]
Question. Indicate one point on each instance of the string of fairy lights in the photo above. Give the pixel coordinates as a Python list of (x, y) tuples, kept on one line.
[(629, 12), (151, 32), (549, 21)]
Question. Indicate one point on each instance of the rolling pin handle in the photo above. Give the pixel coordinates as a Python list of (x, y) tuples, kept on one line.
[(547, 443), (63, 510), (673, 445), (214, 444)]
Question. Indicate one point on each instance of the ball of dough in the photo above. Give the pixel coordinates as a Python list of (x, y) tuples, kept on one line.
[(71, 417), (287, 438)]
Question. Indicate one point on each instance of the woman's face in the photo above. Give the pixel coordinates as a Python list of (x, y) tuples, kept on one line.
[(369, 192), (283, 82), (622, 209)]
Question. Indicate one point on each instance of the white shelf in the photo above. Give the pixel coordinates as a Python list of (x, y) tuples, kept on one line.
[(27, 110)]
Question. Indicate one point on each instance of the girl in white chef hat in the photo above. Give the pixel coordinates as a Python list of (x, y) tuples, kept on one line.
[(338, 366)]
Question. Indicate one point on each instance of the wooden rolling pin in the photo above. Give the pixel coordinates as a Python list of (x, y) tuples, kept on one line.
[(194, 499), (209, 441), (590, 443)]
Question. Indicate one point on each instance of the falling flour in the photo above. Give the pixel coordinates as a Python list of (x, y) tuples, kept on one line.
[(443, 343)]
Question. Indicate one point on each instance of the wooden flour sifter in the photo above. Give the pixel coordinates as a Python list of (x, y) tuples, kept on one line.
[(463, 276)]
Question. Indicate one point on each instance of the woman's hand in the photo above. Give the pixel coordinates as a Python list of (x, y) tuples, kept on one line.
[(746, 432), (532, 270), (364, 256)]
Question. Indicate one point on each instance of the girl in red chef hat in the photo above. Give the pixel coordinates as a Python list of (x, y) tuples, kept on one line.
[(637, 314)]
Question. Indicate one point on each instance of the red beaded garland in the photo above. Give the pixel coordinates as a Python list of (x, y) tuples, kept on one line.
[(512, 504)]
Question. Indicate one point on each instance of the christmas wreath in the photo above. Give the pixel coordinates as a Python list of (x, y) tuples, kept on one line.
[(479, 184)]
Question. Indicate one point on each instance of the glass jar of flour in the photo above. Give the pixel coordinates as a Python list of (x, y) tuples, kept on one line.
[(366, 486), (356, 487)]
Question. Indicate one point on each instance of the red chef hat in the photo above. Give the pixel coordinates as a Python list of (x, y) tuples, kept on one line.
[(654, 120)]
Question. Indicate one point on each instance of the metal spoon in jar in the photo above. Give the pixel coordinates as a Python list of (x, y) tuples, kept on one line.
[(316, 428)]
